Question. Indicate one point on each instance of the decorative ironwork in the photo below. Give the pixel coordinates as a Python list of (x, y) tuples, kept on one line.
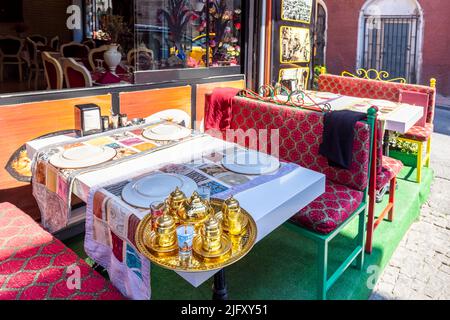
[(373, 74), (281, 95)]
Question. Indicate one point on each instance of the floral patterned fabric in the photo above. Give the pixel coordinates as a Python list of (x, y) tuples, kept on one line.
[(374, 89), (300, 135), (390, 169), (330, 210), (36, 266), (420, 133)]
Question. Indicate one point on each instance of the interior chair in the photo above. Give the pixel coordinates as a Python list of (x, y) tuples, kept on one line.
[(39, 39), (53, 72), (90, 44), (420, 133), (35, 63), (74, 50), (142, 56), (97, 54), (76, 75), (10, 54), (54, 43)]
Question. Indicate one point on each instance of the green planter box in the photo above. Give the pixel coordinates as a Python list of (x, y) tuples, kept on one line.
[(409, 160)]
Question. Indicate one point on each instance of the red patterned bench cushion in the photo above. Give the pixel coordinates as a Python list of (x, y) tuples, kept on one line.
[(330, 210), (390, 169), (420, 133), (365, 88), (300, 137), (35, 266)]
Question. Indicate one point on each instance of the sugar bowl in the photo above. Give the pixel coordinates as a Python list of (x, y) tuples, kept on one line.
[(233, 220), (211, 235), (165, 232)]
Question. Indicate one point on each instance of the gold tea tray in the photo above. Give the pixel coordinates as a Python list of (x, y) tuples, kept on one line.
[(238, 246)]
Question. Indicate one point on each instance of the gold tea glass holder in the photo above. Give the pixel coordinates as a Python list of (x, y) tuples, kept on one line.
[(224, 233)]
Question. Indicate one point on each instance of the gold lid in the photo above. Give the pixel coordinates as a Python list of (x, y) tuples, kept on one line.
[(177, 196), (197, 208), (165, 222), (232, 203), (212, 225)]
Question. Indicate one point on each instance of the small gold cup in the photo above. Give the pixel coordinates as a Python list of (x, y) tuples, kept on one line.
[(232, 216), (212, 235), (165, 231)]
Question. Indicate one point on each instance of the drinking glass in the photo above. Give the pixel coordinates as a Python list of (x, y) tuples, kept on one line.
[(156, 210), (185, 235)]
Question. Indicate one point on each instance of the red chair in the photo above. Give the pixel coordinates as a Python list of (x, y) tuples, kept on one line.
[(384, 171), (53, 72), (421, 132), (74, 50), (39, 39), (35, 63), (97, 54), (10, 54), (76, 75)]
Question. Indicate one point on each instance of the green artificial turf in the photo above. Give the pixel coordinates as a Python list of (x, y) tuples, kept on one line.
[(283, 265)]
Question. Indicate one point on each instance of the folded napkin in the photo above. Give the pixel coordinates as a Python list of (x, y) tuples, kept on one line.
[(338, 135), (108, 78), (218, 108)]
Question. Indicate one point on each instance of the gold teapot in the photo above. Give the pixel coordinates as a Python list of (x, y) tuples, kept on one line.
[(211, 235), (197, 209), (232, 216), (165, 230), (176, 203)]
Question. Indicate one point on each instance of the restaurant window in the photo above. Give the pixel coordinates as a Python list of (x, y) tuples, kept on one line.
[(173, 34)]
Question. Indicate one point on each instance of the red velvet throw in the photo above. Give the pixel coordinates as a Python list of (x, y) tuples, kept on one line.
[(218, 108), (108, 77)]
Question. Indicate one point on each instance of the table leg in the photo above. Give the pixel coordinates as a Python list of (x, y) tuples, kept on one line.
[(220, 291), (387, 136)]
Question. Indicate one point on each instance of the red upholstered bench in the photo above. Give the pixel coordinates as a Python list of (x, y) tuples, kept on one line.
[(345, 197), (35, 266), (375, 89)]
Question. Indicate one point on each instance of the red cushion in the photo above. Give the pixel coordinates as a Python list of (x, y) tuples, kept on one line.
[(390, 169), (374, 89), (330, 210), (300, 135), (420, 133), (417, 99), (35, 266), (76, 78)]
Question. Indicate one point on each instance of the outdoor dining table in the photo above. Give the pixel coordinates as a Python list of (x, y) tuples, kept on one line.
[(399, 118), (270, 203)]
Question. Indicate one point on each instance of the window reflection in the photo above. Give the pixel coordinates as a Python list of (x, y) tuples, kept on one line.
[(187, 33)]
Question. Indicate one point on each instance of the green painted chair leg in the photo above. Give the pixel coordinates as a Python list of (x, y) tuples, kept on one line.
[(323, 269), (361, 239)]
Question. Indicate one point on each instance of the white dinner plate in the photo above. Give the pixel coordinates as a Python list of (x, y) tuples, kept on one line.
[(166, 132), (156, 187), (250, 162), (82, 157)]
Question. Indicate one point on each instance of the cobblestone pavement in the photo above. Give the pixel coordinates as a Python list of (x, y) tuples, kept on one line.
[(420, 266)]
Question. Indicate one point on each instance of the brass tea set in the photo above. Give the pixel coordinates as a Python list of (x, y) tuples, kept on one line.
[(221, 230)]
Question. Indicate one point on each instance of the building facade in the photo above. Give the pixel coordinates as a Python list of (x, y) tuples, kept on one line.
[(407, 38)]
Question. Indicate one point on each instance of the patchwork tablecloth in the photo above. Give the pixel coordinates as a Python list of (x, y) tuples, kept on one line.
[(111, 224), (52, 187)]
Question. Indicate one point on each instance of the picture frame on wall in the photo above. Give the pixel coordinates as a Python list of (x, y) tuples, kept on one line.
[(11, 11), (295, 45), (297, 10), (296, 78)]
